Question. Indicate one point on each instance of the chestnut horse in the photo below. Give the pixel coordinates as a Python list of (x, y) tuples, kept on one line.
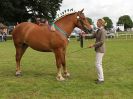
[(41, 38)]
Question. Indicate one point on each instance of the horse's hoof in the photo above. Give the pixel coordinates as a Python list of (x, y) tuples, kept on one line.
[(66, 74), (18, 74), (60, 78)]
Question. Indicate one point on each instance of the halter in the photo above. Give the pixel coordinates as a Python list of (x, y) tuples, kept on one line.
[(81, 22)]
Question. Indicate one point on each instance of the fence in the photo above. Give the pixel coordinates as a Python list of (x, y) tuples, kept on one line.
[(124, 35)]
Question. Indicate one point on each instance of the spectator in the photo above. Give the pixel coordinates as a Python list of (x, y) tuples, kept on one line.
[(4, 36), (1, 36)]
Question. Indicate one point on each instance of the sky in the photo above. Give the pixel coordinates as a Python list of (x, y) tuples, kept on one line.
[(96, 9)]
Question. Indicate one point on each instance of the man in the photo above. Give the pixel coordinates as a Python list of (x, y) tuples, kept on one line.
[(99, 46)]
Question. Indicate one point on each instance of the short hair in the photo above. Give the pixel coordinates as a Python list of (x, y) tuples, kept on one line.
[(103, 22)]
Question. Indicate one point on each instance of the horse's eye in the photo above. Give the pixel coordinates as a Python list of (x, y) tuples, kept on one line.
[(83, 18)]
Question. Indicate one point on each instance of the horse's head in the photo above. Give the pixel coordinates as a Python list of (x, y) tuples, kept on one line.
[(82, 22)]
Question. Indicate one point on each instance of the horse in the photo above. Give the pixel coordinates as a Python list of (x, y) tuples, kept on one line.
[(41, 38)]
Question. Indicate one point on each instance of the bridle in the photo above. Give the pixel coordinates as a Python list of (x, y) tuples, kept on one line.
[(79, 21)]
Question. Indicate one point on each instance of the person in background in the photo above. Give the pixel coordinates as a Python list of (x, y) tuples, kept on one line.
[(99, 46), (38, 21), (50, 25), (43, 22), (4, 36), (1, 36)]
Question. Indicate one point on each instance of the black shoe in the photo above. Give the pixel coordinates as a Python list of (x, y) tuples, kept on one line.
[(99, 82)]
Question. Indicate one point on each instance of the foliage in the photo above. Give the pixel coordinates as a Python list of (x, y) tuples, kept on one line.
[(126, 20), (109, 23), (44, 8), (22, 10), (13, 11), (39, 71), (89, 20)]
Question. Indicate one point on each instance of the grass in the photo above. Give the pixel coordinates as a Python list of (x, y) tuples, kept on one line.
[(39, 72)]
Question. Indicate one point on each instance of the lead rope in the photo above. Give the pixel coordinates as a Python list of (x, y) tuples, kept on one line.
[(78, 50)]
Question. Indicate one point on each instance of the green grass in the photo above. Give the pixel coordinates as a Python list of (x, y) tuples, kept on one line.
[(39, 72)]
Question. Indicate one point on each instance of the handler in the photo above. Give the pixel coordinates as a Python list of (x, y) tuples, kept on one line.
[(99, 46)]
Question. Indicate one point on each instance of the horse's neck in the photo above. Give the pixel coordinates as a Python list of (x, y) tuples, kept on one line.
[(67, 25)]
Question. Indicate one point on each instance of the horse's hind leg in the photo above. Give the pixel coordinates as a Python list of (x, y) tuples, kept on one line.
[(20, 49)]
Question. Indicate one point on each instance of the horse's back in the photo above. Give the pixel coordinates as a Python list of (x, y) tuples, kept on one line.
[(27, 30), (37, 37), (22, 28)]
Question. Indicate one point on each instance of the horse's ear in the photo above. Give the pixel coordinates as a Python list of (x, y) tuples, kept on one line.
[(82, 10), (79, 12)]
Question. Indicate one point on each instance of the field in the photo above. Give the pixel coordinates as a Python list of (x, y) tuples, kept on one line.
[(39, 72)]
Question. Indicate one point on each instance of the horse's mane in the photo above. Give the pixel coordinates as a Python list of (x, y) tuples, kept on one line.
[(64, 16)]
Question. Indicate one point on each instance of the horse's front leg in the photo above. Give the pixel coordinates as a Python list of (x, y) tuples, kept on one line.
[(66, 74), (59, 64)]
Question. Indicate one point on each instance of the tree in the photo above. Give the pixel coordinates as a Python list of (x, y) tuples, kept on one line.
[(126, 20), (108, 22), (22, 10), (89, 20), (13, 11)]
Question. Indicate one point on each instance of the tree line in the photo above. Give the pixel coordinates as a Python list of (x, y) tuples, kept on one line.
[(13, 11), (125, 20)]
